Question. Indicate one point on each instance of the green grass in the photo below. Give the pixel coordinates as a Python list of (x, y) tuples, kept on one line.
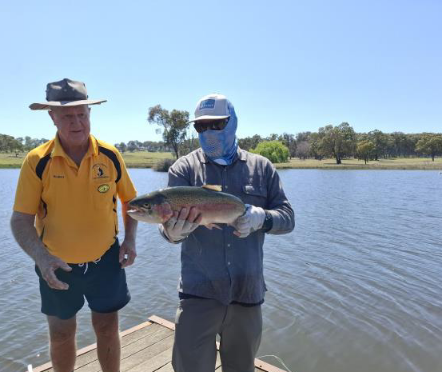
[(145, 159), (394, 163), (9, 160)]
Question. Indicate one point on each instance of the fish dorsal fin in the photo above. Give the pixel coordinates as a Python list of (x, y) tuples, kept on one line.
[(212, 187)]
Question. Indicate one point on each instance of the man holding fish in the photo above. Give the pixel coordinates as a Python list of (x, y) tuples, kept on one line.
[(222, 283)]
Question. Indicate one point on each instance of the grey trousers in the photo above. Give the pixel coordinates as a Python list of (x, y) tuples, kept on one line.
[(199, 321)]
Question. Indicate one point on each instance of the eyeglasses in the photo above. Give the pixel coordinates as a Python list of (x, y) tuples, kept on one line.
[(203, 125)]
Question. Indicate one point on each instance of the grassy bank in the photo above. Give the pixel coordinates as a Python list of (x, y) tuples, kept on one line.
[(145, 159), (10, 160), (394, 163), (141, 159)]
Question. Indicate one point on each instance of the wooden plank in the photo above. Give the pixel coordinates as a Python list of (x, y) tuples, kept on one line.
[(163, 322), (166, 368), (133, 350), (90, 349), (258, 363), (153, 364), (146, 347), (264, 366), (126, 341), (147, 355)]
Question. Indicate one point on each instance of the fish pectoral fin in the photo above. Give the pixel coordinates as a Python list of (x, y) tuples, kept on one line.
[(211, 226), (212, 187)]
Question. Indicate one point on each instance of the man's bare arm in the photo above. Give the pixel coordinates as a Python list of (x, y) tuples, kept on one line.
[(130, 232), (22, 226)]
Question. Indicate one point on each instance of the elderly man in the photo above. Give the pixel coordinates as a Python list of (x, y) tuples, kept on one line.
[(222, 283), (69, 187)]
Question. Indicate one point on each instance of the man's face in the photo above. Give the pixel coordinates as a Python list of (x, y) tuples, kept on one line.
[(72, 124)]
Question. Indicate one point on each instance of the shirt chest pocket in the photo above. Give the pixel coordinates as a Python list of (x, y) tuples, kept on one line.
[(103, 195), (254, 195)]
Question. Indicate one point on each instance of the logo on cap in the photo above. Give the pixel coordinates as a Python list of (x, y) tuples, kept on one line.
[(207, 104)]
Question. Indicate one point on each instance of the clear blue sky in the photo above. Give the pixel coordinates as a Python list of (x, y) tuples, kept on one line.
[(287, 66)]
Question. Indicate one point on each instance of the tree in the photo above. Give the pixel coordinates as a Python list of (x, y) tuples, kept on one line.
[(289, 141), (121, 147), (303, 137), (365, 150), (272, 137), (9, 143), (248, 143), (275, 151), (339, 141), (174, 125), (190, 144), (314, 141), (430, 144), (132, 146), (380, 142), (303, 150)]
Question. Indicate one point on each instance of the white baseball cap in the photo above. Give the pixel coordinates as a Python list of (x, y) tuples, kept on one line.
[(212, 107)]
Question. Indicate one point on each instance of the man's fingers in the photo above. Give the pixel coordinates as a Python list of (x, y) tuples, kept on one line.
[(166, 212), (199, 219), (170, 223), (242, 227), (121, 254), (130, 259), (240, 234), (53, 282), (64, 266), (193, 214), (183, 214), (179, 225)]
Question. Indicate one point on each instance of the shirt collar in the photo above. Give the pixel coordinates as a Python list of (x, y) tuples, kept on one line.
[(59, 151)]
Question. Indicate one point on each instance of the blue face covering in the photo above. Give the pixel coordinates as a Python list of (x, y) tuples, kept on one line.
[(221, 146)]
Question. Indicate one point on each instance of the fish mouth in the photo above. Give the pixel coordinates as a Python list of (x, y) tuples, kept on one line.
[(134, 209)]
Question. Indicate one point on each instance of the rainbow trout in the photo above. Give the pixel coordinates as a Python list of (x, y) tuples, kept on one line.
[(215, 206)]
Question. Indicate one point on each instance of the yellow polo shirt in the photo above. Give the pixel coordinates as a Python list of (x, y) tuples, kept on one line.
[(75, 207)]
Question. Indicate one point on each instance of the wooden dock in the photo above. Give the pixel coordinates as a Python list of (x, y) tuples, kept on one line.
[(144, 348)]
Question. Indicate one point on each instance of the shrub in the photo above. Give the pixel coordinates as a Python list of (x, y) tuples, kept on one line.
[(163, 165), (275, 151)]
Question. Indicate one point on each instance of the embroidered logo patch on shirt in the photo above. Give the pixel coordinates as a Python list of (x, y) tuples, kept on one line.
[(103, 188), (99, 171)]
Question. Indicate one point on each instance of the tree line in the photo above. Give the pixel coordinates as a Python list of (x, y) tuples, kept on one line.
[(19, 144), (338, 142)]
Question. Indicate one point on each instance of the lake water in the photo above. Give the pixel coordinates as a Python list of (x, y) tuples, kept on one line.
[(355, 288)]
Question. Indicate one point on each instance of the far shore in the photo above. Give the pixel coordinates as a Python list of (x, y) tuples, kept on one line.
[(145, 159)]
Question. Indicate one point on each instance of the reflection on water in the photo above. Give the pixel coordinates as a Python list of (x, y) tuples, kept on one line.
[(356, 286)]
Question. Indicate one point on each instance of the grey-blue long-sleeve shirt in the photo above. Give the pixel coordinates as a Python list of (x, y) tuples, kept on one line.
[(216, 263)]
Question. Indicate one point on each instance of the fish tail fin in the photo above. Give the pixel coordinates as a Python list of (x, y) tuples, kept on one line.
[(211, 226)]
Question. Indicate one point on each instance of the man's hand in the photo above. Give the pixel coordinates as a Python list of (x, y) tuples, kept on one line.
[(181, 224), (127, 253), (47, 265), (250, 221)]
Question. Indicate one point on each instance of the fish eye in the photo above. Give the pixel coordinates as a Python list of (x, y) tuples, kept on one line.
[(147, 206)]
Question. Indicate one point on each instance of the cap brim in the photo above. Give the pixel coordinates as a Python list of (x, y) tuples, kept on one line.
[(209, 117), (51, 104)]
